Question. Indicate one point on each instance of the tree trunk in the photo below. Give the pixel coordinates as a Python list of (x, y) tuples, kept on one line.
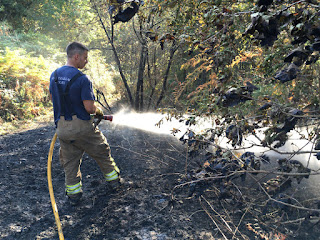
[(142, 64), (153, 82), (165, 77), (124, 80)]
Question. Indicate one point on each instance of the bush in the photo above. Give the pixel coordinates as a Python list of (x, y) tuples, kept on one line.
[(24, 84)]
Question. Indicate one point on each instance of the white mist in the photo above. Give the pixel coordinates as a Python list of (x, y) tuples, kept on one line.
[(296, 144)]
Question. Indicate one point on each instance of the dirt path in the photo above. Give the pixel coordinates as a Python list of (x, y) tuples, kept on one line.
[(151, 163)]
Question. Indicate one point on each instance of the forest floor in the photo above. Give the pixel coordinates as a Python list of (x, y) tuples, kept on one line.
[(152, 165)]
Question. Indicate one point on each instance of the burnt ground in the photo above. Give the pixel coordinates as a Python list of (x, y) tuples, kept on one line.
[(152, 164)]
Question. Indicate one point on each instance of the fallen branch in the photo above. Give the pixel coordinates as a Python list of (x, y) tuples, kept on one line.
[(224, 236), (288, 204), (230, 229)]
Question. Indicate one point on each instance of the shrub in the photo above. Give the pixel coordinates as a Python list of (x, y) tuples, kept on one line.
[(24, 84)]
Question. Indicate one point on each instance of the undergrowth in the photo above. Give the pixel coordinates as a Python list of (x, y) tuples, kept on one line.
[(17, 126)]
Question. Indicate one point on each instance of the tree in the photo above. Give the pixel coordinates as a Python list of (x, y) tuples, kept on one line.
[(146, 35), (110, 39), (238, 52), (14, 12), (251, 65), (173, 49)]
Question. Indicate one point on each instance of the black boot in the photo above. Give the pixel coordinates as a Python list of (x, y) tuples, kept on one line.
[(74, 199)]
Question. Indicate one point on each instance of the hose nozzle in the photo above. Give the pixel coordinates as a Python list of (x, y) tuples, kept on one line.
[(108, 117)]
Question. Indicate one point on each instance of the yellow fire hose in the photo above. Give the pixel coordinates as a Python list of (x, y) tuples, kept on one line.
[(53, 202)]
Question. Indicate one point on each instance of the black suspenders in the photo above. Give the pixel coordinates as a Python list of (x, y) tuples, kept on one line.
[(65, 101)]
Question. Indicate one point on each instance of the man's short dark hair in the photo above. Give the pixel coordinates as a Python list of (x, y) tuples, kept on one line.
[(74, 48)]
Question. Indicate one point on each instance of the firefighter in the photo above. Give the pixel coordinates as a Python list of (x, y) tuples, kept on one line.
[(73, 102)]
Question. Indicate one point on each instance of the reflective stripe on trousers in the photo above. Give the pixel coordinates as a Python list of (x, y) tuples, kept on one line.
[(111, 176), (74, 189), (114, 174)]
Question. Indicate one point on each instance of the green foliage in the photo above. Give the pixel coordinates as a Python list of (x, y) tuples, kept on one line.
[(227, 46), (33, 43), (23, 84), (44, 16), (26, 61), (14, 11), (102, 75)]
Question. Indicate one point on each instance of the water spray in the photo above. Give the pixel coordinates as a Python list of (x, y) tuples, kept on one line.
[(159, 123)]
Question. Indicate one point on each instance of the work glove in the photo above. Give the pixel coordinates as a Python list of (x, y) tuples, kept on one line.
[(99, 112)]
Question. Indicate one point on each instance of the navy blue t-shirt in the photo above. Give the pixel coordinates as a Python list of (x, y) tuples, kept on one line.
[(80, 90)]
